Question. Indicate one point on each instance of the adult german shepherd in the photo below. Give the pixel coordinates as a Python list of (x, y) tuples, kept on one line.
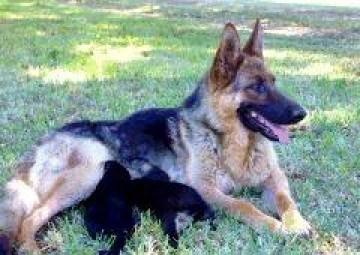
[(218, 140)]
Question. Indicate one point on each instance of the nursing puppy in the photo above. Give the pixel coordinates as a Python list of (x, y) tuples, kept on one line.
[(5, 247), (109, 208)]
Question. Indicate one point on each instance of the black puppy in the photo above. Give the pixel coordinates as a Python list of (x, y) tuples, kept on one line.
[(5, 246), (109, 209)]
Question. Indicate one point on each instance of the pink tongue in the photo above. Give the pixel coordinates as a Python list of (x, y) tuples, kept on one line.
[(280, 131)]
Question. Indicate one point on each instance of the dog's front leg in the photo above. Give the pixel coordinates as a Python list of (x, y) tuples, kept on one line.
[(204, 183), (239, 207), (277, 193), (203, 164), (201, 174)]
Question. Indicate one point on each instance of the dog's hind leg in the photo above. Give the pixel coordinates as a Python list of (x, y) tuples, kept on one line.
[(65, 193), (66, 170)]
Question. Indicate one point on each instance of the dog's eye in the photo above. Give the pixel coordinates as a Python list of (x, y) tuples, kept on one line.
[(260, 88)]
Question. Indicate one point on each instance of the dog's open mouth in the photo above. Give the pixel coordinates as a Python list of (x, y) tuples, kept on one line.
[(258, 123)]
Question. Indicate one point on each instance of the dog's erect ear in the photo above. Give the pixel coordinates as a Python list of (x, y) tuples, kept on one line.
[(227, 58), (255, 44)]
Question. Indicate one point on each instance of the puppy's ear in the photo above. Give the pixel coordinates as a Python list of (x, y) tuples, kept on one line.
[(255, 44), (111, 165), (227, 59), (115, 171), (124, 174)]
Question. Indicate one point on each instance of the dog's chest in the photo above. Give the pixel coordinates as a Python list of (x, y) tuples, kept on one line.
[(250, 173), (249, 164)]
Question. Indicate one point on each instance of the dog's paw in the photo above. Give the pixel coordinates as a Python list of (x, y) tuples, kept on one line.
[(294, 223), (275, 226), (29, 247)]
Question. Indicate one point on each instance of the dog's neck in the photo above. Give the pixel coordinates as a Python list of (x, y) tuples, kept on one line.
[(197, 105), (246, 140)]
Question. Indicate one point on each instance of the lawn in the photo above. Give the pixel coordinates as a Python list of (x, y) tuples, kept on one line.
[(62, 61)]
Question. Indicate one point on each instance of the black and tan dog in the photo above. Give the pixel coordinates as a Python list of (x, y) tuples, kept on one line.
[(218, 140)]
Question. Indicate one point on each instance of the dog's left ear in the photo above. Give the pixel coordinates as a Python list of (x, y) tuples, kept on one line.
[(255, 44)]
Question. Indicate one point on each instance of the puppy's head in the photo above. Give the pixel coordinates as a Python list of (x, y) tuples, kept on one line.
[(115, 172), (157, 174)]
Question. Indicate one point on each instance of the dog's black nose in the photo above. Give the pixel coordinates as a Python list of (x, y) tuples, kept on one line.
[(298, 114)]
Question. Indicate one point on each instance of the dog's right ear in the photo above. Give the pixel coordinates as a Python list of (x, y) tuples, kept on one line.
[(227, 59), (255, 44)]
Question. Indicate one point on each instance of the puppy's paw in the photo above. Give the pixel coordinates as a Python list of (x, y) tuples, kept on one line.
[(294, 223)]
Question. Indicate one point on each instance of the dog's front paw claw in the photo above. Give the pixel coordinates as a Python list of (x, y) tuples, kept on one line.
[(276, 226), (294, 223)]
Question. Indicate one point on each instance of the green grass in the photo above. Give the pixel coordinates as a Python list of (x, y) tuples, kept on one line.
[(105, 59)]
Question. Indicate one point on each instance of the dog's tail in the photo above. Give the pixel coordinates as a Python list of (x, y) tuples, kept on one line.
[(18, 200)]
